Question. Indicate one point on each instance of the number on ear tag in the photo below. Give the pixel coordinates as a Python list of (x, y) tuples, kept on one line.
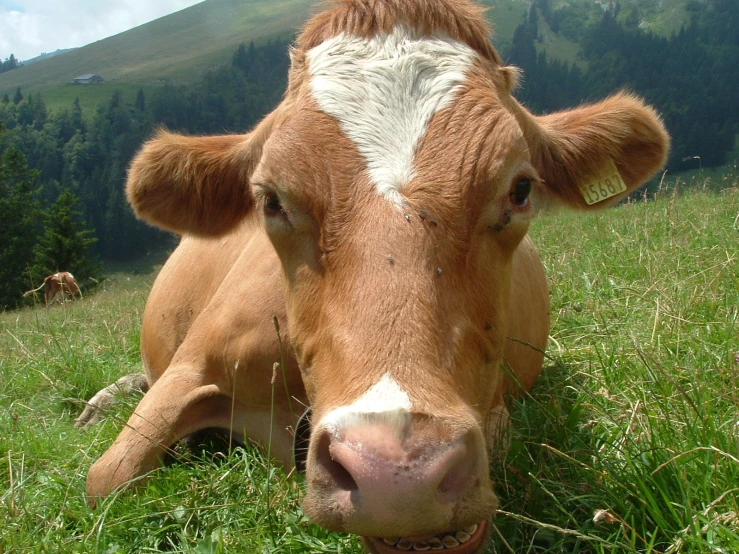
[(602, 186)]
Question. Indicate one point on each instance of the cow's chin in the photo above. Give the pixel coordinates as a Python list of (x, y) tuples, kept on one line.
[(464, 541)]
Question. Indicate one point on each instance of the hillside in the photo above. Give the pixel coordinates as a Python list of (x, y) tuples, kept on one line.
[(180, 46), (47, 55), (176, 47), (662, 17), (562, 23)]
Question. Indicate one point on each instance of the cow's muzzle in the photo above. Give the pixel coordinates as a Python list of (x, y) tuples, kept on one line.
[(412, 478)]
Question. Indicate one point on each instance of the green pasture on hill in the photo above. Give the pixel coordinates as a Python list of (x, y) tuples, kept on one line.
[(91, 96), (175, 48), (179, 47), (629, 443)]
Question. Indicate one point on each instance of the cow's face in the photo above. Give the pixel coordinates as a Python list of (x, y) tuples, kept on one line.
[(396, 223), (395, 183)]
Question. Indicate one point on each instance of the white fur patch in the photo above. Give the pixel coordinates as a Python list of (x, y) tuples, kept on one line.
[(384, 91), (385, 397)]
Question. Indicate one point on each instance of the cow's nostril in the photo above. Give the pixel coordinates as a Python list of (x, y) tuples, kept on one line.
[(461, 475), (335, 470)]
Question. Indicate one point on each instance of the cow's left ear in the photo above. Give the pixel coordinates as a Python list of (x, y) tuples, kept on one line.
[(594, 155)]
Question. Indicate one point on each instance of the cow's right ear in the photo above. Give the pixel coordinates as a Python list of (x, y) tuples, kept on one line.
[(196, 185)]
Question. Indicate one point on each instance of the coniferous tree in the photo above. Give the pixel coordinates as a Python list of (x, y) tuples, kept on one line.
[(65, 243), (240, 58), (19, 211), (8, 64), (77, 121), (140, 101), (18, 97)]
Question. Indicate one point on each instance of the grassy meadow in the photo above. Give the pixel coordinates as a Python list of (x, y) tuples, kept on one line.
[(629, 442)]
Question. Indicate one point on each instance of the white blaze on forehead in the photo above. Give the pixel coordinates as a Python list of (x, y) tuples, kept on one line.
[(383, 91), (384, 397)]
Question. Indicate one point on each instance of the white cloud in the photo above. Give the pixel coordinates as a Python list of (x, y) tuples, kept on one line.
[(31, 27)]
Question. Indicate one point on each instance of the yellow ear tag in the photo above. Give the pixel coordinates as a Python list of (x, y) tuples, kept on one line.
[(604, 185)]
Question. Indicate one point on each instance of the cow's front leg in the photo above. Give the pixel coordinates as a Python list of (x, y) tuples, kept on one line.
[(180, 403), (104, 399)]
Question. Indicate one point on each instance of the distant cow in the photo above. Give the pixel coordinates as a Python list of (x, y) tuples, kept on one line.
[(62, 282), (380, 214)]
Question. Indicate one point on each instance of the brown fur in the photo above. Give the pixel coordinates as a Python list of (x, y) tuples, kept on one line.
[(62, 282), (443, 293), (573, 145), (458, 19)]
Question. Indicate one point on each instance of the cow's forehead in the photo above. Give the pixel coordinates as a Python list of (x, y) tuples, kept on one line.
[(383, 91)]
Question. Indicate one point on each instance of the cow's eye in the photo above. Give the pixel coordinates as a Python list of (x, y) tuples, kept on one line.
[(520, 192), (272, 204)]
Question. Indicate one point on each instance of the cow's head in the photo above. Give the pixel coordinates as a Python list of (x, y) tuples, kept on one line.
[(395, 181)]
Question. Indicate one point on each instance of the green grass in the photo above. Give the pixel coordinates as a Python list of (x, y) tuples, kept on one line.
[(91, 96), (504, 16), (713, 178), (558, 47), (666, 19), (636, 413)]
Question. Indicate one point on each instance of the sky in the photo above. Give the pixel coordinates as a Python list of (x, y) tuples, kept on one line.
[(31, 27)]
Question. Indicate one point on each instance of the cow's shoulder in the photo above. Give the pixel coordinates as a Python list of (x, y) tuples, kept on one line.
[(210, 294)]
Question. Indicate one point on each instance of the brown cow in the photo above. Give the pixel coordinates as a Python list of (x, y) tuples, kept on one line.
[(380, 212), (62, 282)]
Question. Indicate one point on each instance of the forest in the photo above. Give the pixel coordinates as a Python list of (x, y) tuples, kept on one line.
[(58, 166), (690, 77), (10, 63), (62, 157)]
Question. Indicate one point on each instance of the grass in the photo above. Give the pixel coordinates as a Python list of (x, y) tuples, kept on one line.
[(91, 96), (629, 443), (666, 20), (557, 46), (504, 17), (637, 414)]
